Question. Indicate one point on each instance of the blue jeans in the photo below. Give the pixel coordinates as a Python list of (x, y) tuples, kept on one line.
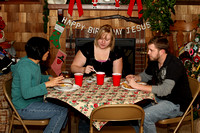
[(162, 110), (46, 110)]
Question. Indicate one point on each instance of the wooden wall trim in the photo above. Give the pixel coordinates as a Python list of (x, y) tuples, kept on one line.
[(21, 2), (90, 7)]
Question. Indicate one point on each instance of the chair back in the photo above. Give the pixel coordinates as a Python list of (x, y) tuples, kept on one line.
[(16, 119), (195, 89), (194, 86), (117, 112), (7, 91), (7, 85)]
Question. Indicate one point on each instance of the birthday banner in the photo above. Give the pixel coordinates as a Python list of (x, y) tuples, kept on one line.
[(94, 30)]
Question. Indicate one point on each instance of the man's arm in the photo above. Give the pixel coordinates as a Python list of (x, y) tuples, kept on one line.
[(165, 88), (145, 77)]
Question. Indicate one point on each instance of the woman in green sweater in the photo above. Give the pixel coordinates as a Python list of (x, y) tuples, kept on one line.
[(29, 87)]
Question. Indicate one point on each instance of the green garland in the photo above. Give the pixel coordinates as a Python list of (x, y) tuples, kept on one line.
[(124, 2), (158, 13), (45, 15)]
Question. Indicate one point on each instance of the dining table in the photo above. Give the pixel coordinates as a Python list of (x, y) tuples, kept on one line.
[(90, 95)]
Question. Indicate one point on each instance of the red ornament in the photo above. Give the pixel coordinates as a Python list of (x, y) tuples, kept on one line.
[(117, 3), (2, 24), (196, 59), (94, 2)]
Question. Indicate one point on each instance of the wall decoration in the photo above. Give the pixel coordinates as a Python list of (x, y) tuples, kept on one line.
[(2, 26), (124, 2), (189, 53), (158, 13), (94, 2), (58, 30), (86, 1), (131, 5), (45, 15), (59, 60), (128, 19), (117, 3), (79, 5), (94, 30)]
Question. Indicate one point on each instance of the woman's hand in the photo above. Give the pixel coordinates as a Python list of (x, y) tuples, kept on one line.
[(54, 81), (88, 69)]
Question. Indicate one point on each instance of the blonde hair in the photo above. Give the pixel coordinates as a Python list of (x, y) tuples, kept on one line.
[(105, 29)]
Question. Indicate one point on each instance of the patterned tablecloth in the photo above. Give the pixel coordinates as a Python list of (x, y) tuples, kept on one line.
[(91, 95)]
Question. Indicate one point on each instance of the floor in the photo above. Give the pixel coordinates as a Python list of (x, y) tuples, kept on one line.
[(185, 128)]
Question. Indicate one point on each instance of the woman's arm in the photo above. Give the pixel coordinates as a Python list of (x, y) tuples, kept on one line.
[(45, 78), (78, 63), (117, 65)]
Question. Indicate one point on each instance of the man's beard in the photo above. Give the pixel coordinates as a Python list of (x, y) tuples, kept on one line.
[(154, 58)]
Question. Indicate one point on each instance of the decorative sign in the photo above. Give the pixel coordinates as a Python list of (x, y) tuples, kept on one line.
[(94, 30)]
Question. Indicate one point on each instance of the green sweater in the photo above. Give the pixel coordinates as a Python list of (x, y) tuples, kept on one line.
[(28, 83)]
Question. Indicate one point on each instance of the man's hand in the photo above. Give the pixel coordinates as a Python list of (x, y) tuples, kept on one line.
[(136, 78)]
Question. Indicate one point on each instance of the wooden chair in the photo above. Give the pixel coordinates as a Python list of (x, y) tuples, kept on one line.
[(15, 118), (188, 115), (117, 112), (181, 32)]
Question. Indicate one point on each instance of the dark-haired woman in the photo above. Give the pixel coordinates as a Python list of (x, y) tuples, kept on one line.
[(29, 87)]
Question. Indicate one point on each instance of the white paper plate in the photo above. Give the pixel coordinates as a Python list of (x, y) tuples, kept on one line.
[(68, 87), (132, 89)]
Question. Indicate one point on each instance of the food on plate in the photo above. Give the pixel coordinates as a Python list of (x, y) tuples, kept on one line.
[(126, 85), (62, 85), (66, 85)]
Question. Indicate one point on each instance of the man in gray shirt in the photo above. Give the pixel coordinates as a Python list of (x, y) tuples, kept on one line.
[(167, 79)]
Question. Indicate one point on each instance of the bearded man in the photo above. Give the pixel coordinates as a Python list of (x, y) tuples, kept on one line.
[(167, 79)]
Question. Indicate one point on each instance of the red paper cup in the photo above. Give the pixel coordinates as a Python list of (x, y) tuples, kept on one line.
[(116, 79), (78, 78), (100, 78)]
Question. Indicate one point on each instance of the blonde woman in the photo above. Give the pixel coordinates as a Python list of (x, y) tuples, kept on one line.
[(99, 55)]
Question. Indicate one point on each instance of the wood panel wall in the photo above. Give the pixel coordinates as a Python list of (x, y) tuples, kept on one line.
[(23, 21), (187, 12)]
